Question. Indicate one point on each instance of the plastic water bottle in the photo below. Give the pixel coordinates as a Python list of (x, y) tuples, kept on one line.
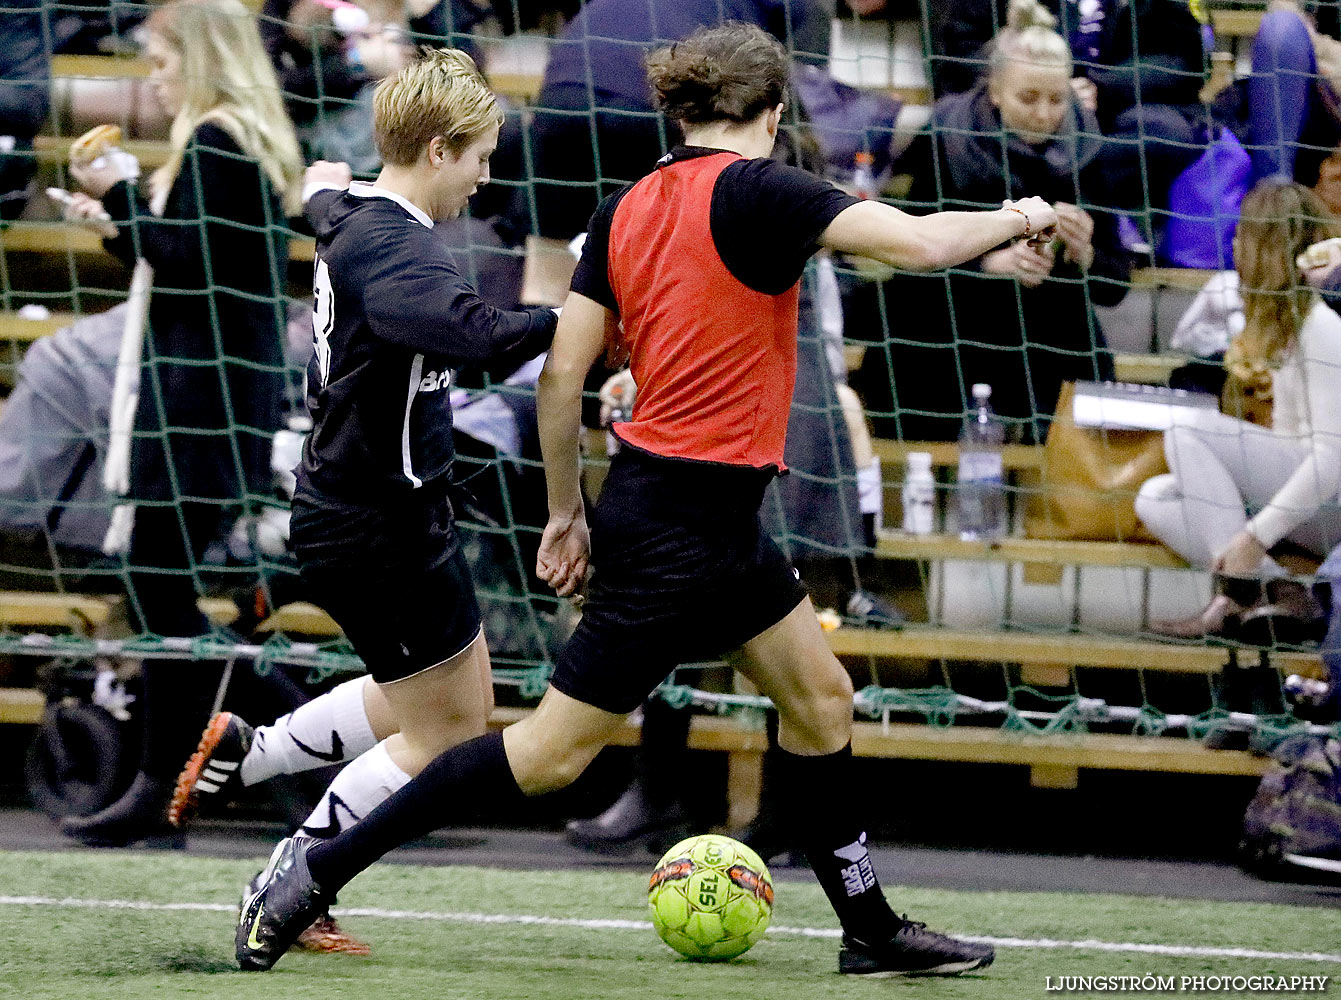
[(620, 413), (863, 176), (982, 490), (919, 495)]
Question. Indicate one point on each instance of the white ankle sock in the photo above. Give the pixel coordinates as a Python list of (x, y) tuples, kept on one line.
[(357, 790), (327, 730)]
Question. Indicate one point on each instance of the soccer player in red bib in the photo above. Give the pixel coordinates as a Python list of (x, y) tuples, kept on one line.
[(694, 271)]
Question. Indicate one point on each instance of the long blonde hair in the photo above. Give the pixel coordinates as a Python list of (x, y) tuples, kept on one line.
[(1278, 221), (1029, 36), (227, 79)]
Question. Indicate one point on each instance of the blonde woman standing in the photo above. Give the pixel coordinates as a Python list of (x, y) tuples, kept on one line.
[(1236, 489), (211, 225)]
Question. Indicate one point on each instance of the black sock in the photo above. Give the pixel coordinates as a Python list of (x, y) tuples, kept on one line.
[(458, 781), (821, 794)]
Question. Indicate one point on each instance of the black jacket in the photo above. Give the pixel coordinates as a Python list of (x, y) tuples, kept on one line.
[(212, 356), (393, 317), (1153, 47), (953, 330)]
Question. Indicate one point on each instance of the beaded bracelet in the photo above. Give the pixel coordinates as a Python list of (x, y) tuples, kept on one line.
[(1028, 226)]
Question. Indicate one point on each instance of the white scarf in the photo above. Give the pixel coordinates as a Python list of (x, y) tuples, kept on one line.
[(126, 397)]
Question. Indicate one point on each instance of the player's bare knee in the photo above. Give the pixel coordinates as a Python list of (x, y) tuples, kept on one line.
[(544, 761)]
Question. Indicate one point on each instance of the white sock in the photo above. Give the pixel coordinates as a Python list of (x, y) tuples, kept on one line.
[(357, 790), (327, 730)]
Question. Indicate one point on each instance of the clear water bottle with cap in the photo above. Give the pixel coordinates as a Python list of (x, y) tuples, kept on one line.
[(863, 176), (919, 495), (621, 411), (981, 489)]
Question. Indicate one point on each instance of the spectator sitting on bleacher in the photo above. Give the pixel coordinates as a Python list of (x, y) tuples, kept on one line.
[(1288, 109), (1137, 68), (211, 369), (595, 94), (1018, 318), (1236, 489), (329, 56)]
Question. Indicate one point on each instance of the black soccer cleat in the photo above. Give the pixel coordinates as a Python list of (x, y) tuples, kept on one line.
[(913, 951), (214, 771), (281, 909)]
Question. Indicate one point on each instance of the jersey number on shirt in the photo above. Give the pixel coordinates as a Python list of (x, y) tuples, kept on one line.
[(323, 317)]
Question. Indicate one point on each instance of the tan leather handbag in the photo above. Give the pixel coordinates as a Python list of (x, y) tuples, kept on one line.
[(1090, 478)]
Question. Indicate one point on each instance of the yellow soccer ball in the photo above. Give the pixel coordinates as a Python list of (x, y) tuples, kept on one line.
[(711, 898)]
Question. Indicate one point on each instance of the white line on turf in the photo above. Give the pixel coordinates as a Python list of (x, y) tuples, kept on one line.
[(1197, 951)]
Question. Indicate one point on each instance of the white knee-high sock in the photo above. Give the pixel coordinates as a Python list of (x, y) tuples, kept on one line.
[(326, 730), (357, 790)]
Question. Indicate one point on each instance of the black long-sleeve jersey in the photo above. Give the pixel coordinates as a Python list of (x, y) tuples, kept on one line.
[(392, 316)]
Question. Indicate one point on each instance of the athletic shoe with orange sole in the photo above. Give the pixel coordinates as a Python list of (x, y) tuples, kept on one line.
[(214, 771), (328, 937), (324, 936)]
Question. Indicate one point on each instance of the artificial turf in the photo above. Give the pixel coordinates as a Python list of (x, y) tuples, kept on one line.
[(82, 951)]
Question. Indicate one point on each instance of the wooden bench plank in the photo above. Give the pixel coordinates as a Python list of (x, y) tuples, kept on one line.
[(896, 545), (945, 454), (899, 741), (14, 327), (56, 149), (1188, 279), (99, 67), (1147, 369), (966, 744), (22, 706), (35, 610), (911, 741), (64, 237), (1066, 649), (1236, 23)]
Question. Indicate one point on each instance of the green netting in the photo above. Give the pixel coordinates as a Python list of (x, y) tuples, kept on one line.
[(916, 344)]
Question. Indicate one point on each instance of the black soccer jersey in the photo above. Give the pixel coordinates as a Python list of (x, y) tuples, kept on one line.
[(392, 317)]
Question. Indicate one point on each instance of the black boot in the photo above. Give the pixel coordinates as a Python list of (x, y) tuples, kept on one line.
[(634, 819), (649, 812), (140, 813)]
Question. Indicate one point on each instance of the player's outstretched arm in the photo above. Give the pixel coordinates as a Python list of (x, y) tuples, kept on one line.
[(578, 341), (929, 242)]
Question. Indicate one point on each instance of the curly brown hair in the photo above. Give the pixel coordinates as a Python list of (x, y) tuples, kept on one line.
[(1278, 221), (733, 72)]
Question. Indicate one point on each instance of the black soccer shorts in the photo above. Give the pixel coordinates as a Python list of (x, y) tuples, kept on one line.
[(683, 572), (392, 576)]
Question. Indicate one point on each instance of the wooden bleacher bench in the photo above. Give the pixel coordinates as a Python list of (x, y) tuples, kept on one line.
[(15, 328), (65, 237), (1063, 650), (82, 612), (89, 67), (1054, 761), (1188, 279), (56, 149), (521, 86), (1146, 369), (1236, 23), (945, 454), (1037, 551)]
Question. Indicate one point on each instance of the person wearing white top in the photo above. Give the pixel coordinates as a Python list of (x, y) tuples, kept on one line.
[(1235, 489)]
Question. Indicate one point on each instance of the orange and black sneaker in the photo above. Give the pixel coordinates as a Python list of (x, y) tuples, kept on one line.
[(328, 937), (214, 770)]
